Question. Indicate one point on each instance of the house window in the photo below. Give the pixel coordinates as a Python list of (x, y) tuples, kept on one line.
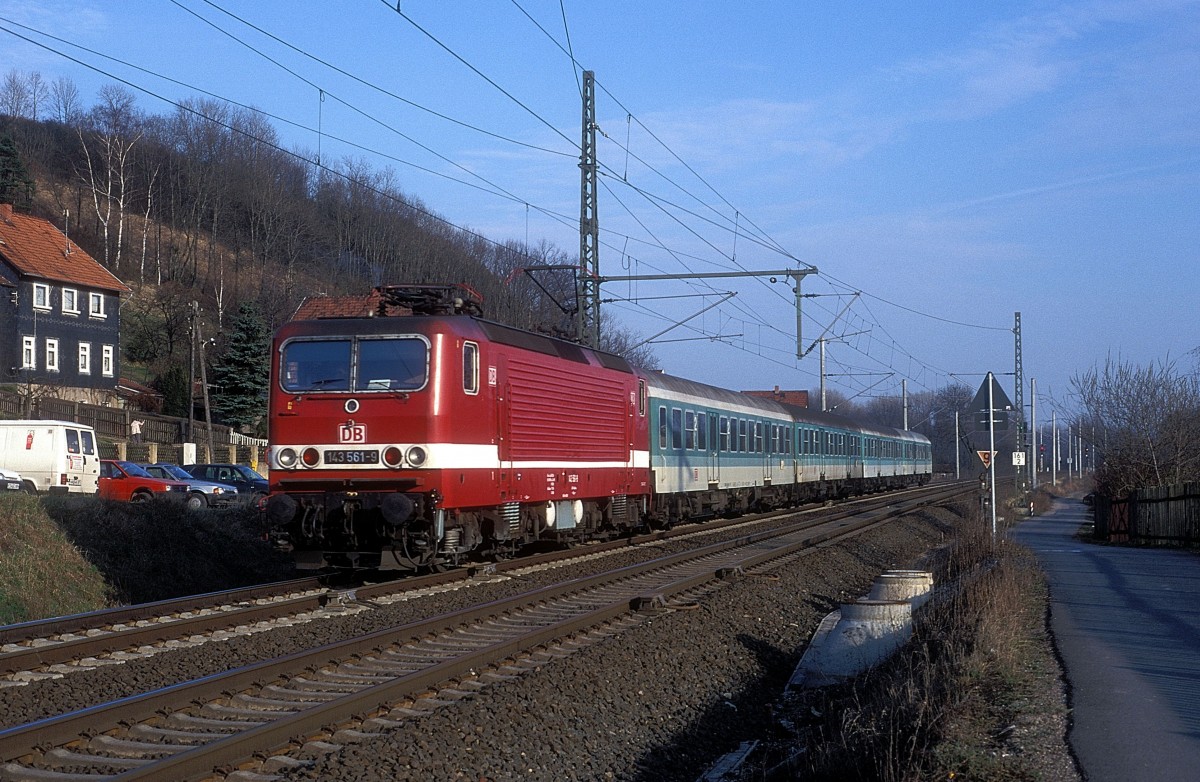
[(28, 353), (70, 301), (85, 358), (51, 355), (106, 365), (96, 305), (41, 296)]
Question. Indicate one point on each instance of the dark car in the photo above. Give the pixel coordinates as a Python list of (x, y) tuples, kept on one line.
[(201, 493), (249, 484)]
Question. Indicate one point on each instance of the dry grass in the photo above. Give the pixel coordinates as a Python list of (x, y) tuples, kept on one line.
[(41, 573), (973, 697)]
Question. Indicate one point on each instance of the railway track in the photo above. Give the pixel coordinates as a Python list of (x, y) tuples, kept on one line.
[(59, 646), (345, 691)]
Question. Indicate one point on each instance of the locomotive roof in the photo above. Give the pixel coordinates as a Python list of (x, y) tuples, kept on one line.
[(491, 330)]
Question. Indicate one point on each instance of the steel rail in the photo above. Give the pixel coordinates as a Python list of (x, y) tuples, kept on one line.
[(78, 727), (40, 644)]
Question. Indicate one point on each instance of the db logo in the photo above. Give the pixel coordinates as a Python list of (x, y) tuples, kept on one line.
[(352, 433)]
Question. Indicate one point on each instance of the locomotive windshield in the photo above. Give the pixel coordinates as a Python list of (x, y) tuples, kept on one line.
[(366, 364)]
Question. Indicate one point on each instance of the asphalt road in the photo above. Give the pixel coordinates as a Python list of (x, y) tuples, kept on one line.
[(1127, 624)]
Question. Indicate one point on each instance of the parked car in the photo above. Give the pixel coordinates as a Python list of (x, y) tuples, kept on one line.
[(52, 456), (249, 484), (10, 480), (201, 493), (126, 482)]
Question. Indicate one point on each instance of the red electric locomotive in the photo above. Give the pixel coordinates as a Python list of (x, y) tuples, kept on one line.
[(407, 440)]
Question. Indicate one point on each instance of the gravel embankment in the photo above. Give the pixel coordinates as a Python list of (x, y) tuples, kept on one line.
[(659, 702)]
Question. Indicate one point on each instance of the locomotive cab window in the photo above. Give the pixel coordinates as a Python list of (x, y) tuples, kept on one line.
[(470, 368), (376, 364)]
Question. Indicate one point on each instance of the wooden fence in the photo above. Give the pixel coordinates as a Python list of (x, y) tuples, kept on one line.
[(1162, 515)]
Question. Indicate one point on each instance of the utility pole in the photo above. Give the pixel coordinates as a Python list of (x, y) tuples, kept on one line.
[(1033, 427), (957, 450), (204, 380), (1019, 402), (823, 407), (587, 280), (992, 448)]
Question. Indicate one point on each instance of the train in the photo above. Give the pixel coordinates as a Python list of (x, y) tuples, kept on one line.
[(420, 435)]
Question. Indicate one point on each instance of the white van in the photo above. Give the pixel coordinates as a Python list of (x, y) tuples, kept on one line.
[(53, 456)]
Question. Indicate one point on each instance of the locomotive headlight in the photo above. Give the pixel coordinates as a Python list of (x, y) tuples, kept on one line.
[(311, 457), (287, 458), (393, 456), (416, 456)]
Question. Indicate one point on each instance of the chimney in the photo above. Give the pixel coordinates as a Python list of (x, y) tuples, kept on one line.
[(6, 213)]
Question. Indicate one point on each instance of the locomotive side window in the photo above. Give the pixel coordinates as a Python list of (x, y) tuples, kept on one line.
[(317, 365), (391, 364), (470, 368), (641, 397)]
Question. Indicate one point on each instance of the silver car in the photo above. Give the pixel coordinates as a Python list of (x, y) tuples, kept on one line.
[(201, 493), (10, 480)]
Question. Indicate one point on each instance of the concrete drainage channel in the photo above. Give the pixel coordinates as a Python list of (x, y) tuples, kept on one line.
[(848, 642)]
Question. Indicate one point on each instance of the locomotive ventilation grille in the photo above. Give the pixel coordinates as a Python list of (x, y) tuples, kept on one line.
[(511, 513)]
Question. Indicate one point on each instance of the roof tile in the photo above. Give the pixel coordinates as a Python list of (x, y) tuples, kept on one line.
[(35, 248)]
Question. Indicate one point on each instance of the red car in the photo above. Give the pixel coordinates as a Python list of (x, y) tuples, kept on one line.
[(126, 482)]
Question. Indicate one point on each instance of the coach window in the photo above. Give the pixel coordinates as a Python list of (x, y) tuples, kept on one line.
[(743, 439), (689, 430), (724, 442), (470, 368), (676, 428), (702, 431), (758, 436), (662, 428)]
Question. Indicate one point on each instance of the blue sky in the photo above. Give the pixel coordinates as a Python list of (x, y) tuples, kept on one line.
[(953, 162)]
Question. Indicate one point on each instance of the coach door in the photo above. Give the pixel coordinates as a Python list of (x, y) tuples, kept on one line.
[(713, 451)]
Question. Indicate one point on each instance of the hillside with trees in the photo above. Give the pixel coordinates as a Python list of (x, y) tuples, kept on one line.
[(205, 203)]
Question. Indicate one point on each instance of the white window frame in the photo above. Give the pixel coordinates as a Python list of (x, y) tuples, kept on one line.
[(51, 355), (42, 289), (107, 362), (85, 358), (96, 305), (74, 308), (28, 352)]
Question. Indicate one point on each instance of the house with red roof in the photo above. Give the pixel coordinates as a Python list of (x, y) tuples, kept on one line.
[(60, 313)]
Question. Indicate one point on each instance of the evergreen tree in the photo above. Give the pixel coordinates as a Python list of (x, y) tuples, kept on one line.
[(16, 186), (176, 391), (241, 375)]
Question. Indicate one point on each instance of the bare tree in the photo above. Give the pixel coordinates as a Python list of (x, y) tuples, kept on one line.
[(1144, 423), (65, 102), (107, 145), (14, 94), (39, 93)]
